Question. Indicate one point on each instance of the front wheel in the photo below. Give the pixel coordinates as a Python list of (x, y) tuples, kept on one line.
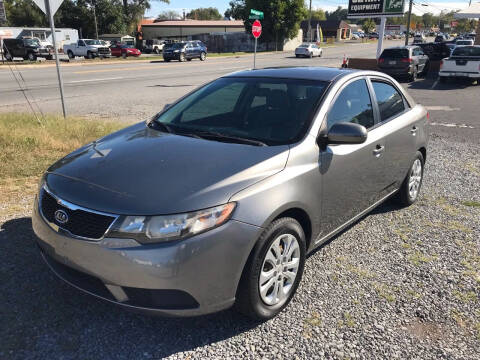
[(182, 57), (413, 76), (31, 57), (310, 55), (90, 55), (70, 54), (203, 56), (410, 188), (273, 271)]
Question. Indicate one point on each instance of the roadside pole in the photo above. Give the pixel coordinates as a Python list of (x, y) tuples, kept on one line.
[(59, 74), (408, 22), (255, 54), (256, 32), (381, 34)]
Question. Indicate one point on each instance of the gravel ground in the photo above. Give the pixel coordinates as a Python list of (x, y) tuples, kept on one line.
[(401, 283)]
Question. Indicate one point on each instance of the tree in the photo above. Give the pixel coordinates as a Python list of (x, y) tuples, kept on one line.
[(24, 13), (210, 13), (317, 14), (169, 15), (368, 26), (282, 17), (427, 20), (337, 15)]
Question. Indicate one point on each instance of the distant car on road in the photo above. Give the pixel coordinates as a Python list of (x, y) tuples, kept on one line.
[(218, 200), (88, 48), (464, 42), (463, 63), (408, 61), (124, 50), (373, 35), (440, 38), (26, 48), (308, 50), (185, 51), (419, 38)]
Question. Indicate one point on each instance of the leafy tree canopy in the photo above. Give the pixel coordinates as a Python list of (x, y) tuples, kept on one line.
[(210, 13)]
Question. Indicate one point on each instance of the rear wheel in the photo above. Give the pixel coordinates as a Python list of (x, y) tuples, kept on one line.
[(31, 57), (296, 55), (426, 68), (90, 55), (321, 53), (203, 56), (410, 188), (70, 54), (273, 270), (124, 55), (157, 51), (413, 76), (310, 55), (8, 57)]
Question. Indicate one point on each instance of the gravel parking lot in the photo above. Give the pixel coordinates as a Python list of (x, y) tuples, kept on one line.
[(401, 283)]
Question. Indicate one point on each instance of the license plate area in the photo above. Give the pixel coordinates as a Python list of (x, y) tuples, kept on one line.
[(461, 62)]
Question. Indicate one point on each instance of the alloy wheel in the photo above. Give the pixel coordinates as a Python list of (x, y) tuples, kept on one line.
[(279, 269), (415, 179)]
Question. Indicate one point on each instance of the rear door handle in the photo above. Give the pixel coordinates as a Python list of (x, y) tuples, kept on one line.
[(413, 131), (379, 149)]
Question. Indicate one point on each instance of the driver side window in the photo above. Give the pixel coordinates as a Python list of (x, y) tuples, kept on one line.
[(352, 105)]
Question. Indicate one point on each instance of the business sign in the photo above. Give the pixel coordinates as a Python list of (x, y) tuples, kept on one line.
[(375, 8), (3, 14)]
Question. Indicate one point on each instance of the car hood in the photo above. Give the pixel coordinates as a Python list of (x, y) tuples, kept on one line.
[(142, 171)]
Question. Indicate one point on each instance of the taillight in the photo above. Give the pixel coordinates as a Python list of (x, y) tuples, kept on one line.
[(381, 60), (428, 116), (441, 64), (407, 60)]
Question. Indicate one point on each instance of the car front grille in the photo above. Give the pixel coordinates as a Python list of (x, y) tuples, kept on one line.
[(104, 51), (80, 222)]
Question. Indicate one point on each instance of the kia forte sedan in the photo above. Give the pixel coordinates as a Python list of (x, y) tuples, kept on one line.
[(216, 201)]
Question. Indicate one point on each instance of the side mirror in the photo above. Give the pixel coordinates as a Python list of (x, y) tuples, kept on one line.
[(347, 133), (166, 106)]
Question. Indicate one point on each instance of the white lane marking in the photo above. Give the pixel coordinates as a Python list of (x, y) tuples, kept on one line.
[(463, 126), (434, 84), (90, 80), (441, 108)]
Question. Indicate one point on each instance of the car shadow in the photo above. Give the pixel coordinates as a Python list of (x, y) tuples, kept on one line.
[(431, 82), (44, 317)]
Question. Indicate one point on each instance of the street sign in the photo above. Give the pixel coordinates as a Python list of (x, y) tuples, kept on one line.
[(375, 8), (256, 29), (54, 5), (255, 17), (3, 14), (256, 12)]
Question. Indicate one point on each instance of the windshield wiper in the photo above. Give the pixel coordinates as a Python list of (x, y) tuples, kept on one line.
[(228, 138), (161, 126)]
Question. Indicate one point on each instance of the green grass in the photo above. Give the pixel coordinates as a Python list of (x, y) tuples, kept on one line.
[(28, 147), (471, 203)]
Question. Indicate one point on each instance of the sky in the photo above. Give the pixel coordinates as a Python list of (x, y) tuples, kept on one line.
[(328, 5)]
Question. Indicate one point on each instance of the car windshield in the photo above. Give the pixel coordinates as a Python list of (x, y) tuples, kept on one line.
[(31, 42), (304, 46), (271, 111), (464, 42), (467, 51), (395, 53), (93, 42), (176, 46)]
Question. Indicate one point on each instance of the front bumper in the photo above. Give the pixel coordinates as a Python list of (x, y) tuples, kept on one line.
[(195, 276), (459, 74), (172, 56)]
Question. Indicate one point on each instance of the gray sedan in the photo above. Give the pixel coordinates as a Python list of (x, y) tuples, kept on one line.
[(217, 200)]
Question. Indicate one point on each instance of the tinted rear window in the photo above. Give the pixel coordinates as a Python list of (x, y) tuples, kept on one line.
[(395, 53), (466, 51)]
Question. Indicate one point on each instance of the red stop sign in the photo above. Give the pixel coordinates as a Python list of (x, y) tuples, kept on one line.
[(256, 29)]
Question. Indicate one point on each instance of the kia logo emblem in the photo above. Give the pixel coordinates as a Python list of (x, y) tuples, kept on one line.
[(61, 216)]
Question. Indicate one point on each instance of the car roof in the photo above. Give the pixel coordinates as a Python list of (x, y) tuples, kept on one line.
[(401, 47), (303, 73)]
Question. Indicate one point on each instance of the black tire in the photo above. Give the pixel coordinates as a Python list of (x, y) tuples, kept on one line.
[(310, 55), (49, 57), (156, 51), (31, 57), (443, 79), (90, 55), (321, 53), (8, 57), (403, 196), (426, 69), (70, 54), (182, 57), (189, 59), (248, 299), (124, 55), (296, 55), (203, 56), (166, 60)]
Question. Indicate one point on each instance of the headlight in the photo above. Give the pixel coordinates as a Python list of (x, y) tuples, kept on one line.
[(154, 229), (176, 51)]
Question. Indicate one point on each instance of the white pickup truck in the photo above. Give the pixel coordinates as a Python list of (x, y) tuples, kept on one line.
[(89, 48), (463, 63)]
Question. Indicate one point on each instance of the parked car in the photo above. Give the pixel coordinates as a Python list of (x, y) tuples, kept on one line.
[(355, 36), (463, 63), (435, 51), (218, 199), (154, 46), (182, 51), (124, 50), (88, 48), (440, 38), (408, 61), (419, 38), (373, 35), (26, 48), (308, 50)]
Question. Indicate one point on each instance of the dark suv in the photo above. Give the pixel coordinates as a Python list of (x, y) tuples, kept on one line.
[(187, 50), (407, 61), (26, 48)]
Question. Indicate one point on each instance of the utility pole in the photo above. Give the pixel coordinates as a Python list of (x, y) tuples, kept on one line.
[(94, 5), (310, 23), (408, 22)]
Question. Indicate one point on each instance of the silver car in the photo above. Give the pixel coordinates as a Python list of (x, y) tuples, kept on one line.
[(218, 199), (308, 50)]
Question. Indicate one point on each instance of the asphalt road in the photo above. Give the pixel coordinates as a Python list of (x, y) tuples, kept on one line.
[(132, 90)]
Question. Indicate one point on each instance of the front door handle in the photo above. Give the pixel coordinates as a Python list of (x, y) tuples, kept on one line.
[(413, 131), (379, 149)]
